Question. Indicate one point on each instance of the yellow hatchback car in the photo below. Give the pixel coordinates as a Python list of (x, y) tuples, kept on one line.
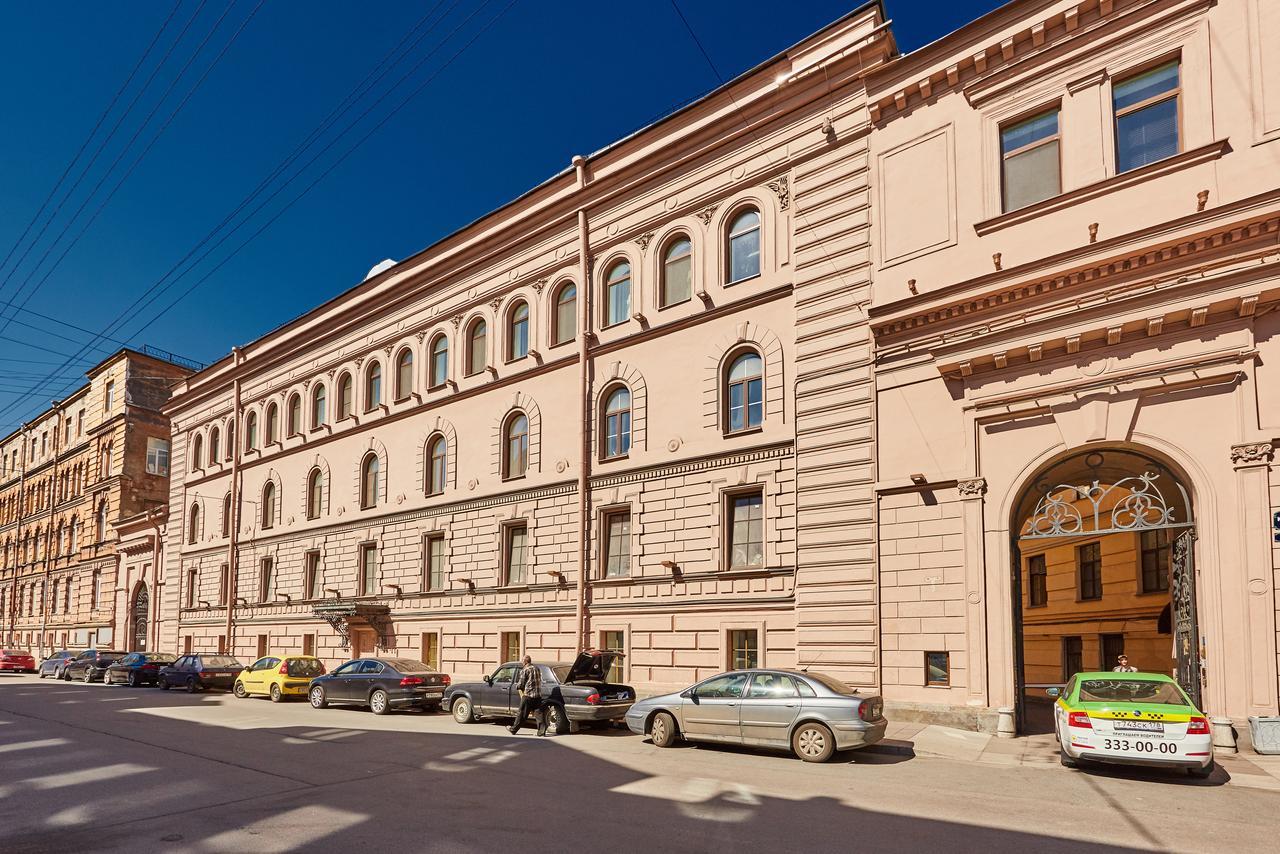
[(278, 677)]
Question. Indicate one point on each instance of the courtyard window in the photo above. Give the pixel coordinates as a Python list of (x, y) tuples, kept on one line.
[(1037, 581), (158, 454), (1072, 657), (1089, 569), (1155, 561), (1146, 116), (1030, 165)]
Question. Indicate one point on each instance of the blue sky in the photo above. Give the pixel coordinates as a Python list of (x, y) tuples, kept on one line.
[(508, 96)]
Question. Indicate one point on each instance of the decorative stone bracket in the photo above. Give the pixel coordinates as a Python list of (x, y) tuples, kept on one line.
[(1251, 454), (972, 487)]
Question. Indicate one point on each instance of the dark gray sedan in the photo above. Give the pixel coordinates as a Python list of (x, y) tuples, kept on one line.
[(810, 714), (382, 684)]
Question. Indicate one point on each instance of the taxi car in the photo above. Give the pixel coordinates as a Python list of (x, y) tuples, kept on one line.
[(278, 677), (1131, 719)]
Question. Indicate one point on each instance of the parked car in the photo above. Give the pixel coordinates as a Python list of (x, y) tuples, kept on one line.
[(200, 672), (91, 664), (574, 693), (278, 677), (811, 714), (1131, 719), (381, 684), (57, 662), (17, 661), (136, 669)]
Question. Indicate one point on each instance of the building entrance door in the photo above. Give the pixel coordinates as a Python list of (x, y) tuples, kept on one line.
[(363, 642), (138, 617), (1103, 568)]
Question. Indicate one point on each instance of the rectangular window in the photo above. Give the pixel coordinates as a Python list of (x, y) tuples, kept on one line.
[(617, 544), (157, 457), (937, 669), (744, 649), (44, 443), (1072, 657), (614, 641), (222, 584), (222, 644), (1110, 648), (368, 569), (1037, 582), (109, 397), (1155, 561), (433, 562), (431, 649), (186, 644), (745, 530), (514, 553), (1030, 166), (80, 423), (1089, 568), (66, 432), (314, 577), (308, 644), (191, 588), (262, 646), (266, 579), (1146, 114), (510, 647)]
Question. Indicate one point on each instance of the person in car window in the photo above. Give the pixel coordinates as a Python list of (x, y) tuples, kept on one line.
[(529, 684), (1123, 666)]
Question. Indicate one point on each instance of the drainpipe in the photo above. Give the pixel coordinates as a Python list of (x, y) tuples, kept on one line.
[(48, 533), (584, 415), (234, 531), (16, 606), (154, 516)]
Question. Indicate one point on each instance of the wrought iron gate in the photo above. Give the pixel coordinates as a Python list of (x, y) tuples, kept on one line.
[(141, 606), (1186, 638)]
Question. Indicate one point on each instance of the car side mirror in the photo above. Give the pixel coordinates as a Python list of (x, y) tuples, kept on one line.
[(488, 680), (249, 669), (1053, 692), (690, 694)]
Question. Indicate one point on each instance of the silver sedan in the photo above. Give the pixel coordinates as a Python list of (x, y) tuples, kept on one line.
[(811, 714)]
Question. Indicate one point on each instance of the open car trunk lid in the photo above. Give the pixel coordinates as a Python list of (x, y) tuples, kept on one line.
[(592, 665)]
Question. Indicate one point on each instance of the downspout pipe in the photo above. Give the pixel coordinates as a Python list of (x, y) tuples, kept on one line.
[(584, 416), (48, 536), (237, 441), (16, 605)]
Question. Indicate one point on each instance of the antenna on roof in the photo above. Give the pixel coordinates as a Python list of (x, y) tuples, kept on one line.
[(805, 669)]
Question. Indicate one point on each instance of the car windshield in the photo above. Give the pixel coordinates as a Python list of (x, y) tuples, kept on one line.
[(219, 661), (1130, 691), (406, 665), (305, 667), (831, 683), (155, 656)]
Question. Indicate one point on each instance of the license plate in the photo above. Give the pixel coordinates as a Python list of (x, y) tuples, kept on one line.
[(1138, 726)]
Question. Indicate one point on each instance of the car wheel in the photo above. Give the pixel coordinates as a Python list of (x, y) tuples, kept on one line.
[(163, 684), (379, 702), (557, 720), (66, 677), (41, 674), (813, 742), (276, 696), (134, 681), (462, 711), (192, 687), (239, 690), (88, 675), (663, 730), (317, 698), (1205, 772)]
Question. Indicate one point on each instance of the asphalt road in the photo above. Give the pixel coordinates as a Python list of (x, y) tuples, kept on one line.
[(97, 768)]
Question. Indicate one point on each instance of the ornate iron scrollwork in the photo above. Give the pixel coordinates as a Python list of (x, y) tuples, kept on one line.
[(1143, 508)]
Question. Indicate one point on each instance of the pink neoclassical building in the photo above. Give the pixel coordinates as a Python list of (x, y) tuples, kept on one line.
[(945, 372)]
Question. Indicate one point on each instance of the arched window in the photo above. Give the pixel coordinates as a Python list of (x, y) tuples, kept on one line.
[(106, 461), (437, 465), (102, 522), (197, 452), (439, 361), (564, 326), (744, 245), (273, 424), (515, 446), (518, 331), (617, 294), (477, 346), (214, 456), (293, 416), (268, 505), (251, 431), (315, 493), (344, 396), (193, 524), (372, 386), (226, 515), (319, 415), (231, 440), (369, 481), (617, 423), (404, 373), (744, 392), (677, 271)]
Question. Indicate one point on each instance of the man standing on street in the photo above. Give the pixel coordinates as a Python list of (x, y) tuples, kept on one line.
[(529, 684)]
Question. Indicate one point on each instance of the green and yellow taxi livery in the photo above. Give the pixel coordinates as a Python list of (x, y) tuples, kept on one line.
[(1131, 719)]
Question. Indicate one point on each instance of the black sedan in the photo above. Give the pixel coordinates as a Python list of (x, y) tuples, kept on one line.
[(381, 684), (201, 671), (57, 662), (136, 669), (90, 665), (574, 694)]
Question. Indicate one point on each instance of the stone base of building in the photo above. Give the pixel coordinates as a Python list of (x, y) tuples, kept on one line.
[(972, 718)]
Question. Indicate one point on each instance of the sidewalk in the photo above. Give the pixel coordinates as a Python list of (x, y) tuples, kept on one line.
[(1249, 769)]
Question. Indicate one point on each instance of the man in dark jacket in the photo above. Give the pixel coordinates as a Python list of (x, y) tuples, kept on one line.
[(529, 684)]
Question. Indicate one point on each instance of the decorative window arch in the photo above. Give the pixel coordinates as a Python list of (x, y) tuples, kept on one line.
[(677, 270), (106, 461), (438, 427), (319, 403), (370, 475), (610, 377), (515, 445), (477, 358), (517, 330), (404, 373), (615, 421), (197, 452), (271, 434), (519, 403), (268, 506), (214, 436), (193, 524), (742, 245), (345, 402), (226, 515), (767, 346), (315, 498), (438, 366), (617, 293), (564, 318), (251, 431), (437, 464), (743, 392), (373, 386), (293, 415)]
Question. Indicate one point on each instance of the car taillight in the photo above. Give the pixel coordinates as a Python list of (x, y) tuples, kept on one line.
[(445, 680), (593, 699), (284, 668), (1198, 726), (1079, 719), (868, 711), (150, 667), (204, 675), (410, 681)]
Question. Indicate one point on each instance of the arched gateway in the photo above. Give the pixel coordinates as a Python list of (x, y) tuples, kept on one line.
[(138, 614), (1103, 566)]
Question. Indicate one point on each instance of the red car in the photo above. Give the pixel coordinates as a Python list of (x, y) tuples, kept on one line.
[(17, 661)]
